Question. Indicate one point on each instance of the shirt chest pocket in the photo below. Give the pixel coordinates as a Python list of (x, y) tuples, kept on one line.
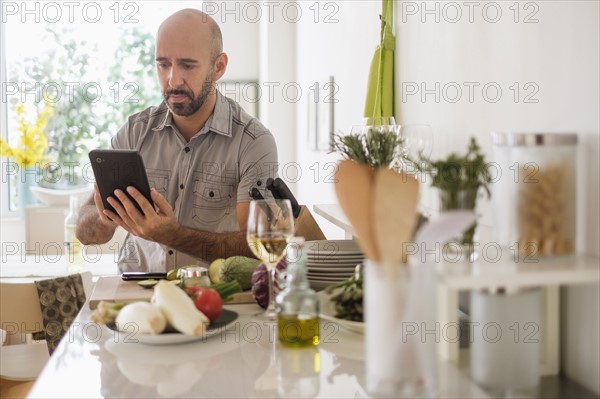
[(213, 199), (159, 179)]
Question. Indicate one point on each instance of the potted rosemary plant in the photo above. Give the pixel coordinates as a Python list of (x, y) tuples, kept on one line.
[(375, 146), (458, 179)]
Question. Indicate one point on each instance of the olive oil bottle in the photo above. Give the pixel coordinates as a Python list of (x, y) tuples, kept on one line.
[(297, 305)]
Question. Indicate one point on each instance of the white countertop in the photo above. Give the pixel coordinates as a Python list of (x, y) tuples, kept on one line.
[(245, 361), (33, 267)]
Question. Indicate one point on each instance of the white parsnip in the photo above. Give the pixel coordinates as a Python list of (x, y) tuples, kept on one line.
[(148, 318), (179, 309)]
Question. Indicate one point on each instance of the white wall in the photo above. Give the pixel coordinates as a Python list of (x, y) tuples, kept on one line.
[(560, 55), (339, 42), (277, 71), (239, 26)]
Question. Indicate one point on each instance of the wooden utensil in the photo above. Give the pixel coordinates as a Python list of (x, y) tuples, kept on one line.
[(395, 213), (354, 188)]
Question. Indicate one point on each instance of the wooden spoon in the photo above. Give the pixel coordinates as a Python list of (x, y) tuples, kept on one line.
[(354, 189), (395, 213)]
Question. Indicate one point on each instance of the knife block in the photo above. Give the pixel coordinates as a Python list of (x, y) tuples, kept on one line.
[(307, 227)]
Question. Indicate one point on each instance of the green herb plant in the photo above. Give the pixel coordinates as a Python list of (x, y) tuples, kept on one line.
[(377, 148), (458, 177), (348, 298)]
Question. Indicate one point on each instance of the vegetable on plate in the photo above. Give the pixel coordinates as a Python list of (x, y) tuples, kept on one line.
[(147, 318), (179, 309), (207, 300)]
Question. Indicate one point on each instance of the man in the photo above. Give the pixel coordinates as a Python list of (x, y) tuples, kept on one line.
[(202, 154)]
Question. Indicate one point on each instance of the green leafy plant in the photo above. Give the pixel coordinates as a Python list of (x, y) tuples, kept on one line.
[(377, 147), (92, 101), (458, 177), (456, 172)]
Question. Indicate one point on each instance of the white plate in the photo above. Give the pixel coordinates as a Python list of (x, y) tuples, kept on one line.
[(335, 263), (340, 245), (328, 313), (340, 274), (331, 269), (328, 278), (338, 265), (331, 257), (334, 255), (332, 247), (318, 275), (225, 319)]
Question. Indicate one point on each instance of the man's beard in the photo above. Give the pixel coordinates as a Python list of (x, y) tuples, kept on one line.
[(187, 109)]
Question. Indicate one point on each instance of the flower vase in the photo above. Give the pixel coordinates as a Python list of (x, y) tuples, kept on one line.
[(27, 177), (461, 199)]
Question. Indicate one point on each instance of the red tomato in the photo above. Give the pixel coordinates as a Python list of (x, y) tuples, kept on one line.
[(209, 302)]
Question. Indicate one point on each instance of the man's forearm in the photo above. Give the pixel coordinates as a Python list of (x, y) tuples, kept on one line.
[(89, 228), (210, 246)]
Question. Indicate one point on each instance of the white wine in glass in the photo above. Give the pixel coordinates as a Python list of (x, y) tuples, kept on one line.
[(270, 226)]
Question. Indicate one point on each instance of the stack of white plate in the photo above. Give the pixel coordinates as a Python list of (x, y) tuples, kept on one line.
[(331, 261)]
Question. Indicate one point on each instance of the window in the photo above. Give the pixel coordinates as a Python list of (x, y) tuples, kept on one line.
[(92, 61)]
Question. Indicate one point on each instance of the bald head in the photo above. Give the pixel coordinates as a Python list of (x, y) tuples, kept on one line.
[(196, 26), (189, 62)]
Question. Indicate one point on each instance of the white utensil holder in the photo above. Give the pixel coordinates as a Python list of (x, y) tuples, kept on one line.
[(400, 330), (505, 335)]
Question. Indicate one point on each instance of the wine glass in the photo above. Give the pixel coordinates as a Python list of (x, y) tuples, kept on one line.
[(418, 141), (270, 226), (418, 145)]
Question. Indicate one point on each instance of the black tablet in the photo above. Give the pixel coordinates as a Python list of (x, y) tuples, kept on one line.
[(119, 169)]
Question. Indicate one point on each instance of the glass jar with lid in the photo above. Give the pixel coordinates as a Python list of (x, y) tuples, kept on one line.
[(194, 276), (535, 192)]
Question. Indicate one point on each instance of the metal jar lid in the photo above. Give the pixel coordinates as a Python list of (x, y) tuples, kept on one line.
[(192, 271), (503, 139)]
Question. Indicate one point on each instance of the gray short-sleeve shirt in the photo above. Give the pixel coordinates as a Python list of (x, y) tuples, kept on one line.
[(202, 179)]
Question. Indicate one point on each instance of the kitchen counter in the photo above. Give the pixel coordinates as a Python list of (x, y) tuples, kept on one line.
[(244, 361), (34, 267)]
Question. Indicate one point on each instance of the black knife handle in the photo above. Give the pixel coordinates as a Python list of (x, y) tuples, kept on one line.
[(138, 276), (256, 195), (282, 190), (276, 194)]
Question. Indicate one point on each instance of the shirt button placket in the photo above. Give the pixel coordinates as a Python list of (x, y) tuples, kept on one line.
[(186, 162)]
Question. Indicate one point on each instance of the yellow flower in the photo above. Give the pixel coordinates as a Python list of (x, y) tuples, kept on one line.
[(32, 141)]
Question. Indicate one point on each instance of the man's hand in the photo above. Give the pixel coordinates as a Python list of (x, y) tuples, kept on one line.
[(157, 223), (104, 220)]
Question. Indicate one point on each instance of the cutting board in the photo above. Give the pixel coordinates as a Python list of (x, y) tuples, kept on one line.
[(114, 289)]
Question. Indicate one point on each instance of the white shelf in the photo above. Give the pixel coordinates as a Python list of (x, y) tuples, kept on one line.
[(493, 270), (505, 273)]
